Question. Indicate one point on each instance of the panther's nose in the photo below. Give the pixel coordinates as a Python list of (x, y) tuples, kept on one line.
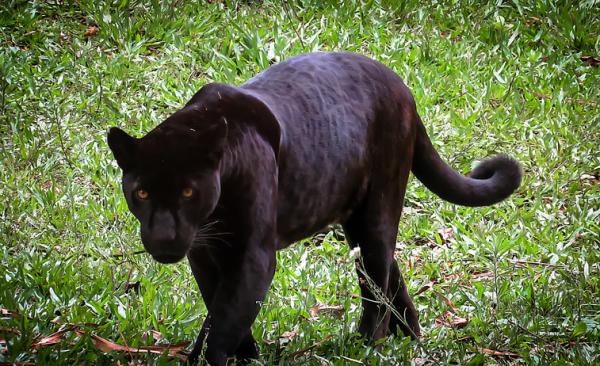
[(160, 238), (162, 228)]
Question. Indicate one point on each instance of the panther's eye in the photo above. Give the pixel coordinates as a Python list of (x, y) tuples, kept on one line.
[(187, 192), (141, 194)]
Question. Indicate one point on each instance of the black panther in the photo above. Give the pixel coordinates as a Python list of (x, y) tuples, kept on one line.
[(318, 139)]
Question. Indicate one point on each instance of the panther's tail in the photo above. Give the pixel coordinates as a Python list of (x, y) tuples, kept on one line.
[(491, 181)]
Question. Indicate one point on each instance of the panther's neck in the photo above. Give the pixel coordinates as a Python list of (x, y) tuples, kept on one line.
[(244, 156)]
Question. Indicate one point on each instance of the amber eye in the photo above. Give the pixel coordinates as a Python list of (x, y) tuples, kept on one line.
[(187, 192), (141, 194)]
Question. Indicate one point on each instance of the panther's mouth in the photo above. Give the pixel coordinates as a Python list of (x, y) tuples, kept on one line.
[(167, 258)]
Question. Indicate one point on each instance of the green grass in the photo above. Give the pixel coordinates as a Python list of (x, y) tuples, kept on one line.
[(503, 76)]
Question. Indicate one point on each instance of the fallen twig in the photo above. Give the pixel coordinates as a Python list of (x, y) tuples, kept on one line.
[(495, 353), (105, 345), (352, 360), (309, 348)]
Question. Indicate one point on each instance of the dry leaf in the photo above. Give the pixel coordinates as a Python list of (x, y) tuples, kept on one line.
[(289, 335), (6, 312), (448, 303), (91, 31), (592, 61), (173, 350), (590, 178), (453, 276), (46, 186), (482, 276), (105, 345), (542, 96), (419, 361), (568, 343), (425, 287), (321, 308), (450, 320), (314, 311), (533, 21), (492, 352), (10, 330), (156, 335), (429, 285), (53, 338), (446, 233), (495, 102)]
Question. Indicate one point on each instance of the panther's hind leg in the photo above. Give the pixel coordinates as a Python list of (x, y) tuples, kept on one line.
[(373, 226), (405, 315), (373, 269), (386, 303)]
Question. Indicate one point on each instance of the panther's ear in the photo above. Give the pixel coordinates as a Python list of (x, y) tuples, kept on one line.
[(122, 146), (240, 105)]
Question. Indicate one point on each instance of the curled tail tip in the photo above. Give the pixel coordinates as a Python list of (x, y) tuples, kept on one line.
[(504, 170)]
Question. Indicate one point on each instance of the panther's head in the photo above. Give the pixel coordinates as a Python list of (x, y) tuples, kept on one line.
[(171, 179)]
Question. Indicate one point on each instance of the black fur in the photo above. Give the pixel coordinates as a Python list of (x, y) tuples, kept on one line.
[(319, 139)]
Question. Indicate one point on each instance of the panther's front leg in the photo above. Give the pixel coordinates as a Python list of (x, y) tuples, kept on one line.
[(245, 258), (206, 272), (244, 269), (236, 297), (245, 353)]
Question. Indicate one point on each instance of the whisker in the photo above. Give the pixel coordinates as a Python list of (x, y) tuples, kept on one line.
[(211, 239), (215, 234), (207, 235), (209, 225)]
